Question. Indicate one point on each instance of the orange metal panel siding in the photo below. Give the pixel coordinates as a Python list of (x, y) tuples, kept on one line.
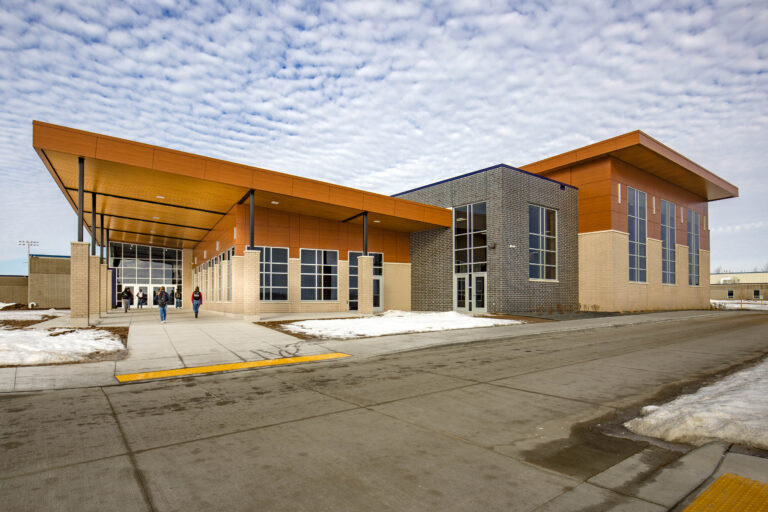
[(62, 139), (309, 189), (122, 151), (380, 204), (346, 197), (273, 182), (178, 163), (231, 174), (281, 229)]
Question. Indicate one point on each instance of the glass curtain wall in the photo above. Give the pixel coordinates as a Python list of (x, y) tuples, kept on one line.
[(144, 267)]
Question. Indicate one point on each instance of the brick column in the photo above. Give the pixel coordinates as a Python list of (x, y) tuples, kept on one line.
[(251, 276), (78, 284), (237, 285), (187, 276), (224, 266), (103, 295), (94, 275), (365, 285)]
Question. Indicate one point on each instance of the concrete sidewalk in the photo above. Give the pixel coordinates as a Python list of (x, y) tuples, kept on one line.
[(213, 338)]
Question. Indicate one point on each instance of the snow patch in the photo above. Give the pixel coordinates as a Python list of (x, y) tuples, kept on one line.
[(30, 314), (5, 304), (392, 322), (753, 305), (24, 347), (734, 409)]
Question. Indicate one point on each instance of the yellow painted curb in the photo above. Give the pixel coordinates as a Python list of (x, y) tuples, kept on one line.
[(732, 493), (197, 370)]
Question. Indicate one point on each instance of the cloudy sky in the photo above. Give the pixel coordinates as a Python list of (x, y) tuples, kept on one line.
[(385, 95)]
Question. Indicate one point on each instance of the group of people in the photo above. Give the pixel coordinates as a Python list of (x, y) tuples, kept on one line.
[(162, 299)]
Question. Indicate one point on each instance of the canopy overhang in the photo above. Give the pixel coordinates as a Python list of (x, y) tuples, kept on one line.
[(157, 196), (646, 153)]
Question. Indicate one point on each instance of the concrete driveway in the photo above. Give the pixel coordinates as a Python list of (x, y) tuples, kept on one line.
[(513, 423)]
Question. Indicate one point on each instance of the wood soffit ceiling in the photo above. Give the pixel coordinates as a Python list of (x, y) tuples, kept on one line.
[(646, 153), (157, 196)]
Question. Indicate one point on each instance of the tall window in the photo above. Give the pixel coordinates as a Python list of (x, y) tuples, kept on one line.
[(274, 273), (378, 270), (667, 242), (542, 243), (470, 240), (693, 248), (319, 274), (636, 211)]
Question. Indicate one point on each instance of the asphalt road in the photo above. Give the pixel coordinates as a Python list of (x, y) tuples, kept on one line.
[(494, 425)]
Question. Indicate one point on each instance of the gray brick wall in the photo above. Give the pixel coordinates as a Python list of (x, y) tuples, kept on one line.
[(507, 192)]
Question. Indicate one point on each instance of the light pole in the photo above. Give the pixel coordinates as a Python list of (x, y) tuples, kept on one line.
[(29, 243)]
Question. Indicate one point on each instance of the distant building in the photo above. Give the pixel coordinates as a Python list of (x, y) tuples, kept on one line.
[(739, 285), (47, 285)]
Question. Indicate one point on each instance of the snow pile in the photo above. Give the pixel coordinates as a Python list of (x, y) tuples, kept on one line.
[(755, 305), (20, 347), (30, 314), (734, 409), (392, 322), (4, 304)]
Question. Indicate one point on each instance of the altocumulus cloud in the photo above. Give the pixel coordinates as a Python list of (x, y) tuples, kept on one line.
[(384, 96)]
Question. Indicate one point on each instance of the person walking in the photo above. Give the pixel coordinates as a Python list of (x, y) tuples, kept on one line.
[(178, 298), (162, 303), (197, 300), (139, 299), (127, 297)]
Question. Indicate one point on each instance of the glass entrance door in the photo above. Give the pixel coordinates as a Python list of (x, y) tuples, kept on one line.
[(469, 293), (479, 292), (461, 293)]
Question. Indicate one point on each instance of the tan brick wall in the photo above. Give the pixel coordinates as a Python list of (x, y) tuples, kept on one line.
[(251, 262), (365, 285), (187, 279), (604, 276), (49, 282), (94, 276), (396, 286), (78, 287), (13, 289)]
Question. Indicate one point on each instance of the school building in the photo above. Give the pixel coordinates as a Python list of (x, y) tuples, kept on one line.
[(582, 228)]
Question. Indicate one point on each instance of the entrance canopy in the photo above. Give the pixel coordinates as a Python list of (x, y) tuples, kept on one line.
[(157, 196)]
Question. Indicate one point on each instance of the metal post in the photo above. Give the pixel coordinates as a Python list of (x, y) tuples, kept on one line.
[(80, 180), (365, 234), (107, 247), (250, 245), (93, 224), (101, 239)]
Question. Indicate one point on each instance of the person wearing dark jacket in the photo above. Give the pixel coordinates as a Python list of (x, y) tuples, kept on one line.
[(127, 297), (178, 298), (162, 303), (197, 300)]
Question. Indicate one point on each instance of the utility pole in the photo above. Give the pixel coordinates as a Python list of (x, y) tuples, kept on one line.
[(29, 243)]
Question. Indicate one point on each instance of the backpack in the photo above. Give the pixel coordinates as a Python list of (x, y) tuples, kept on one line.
[(162, 299), (196, 296)]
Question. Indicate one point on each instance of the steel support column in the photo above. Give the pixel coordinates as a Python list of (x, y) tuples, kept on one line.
[(80, 187), (251, 199), (365, 234), (93, 224), (107, 247)]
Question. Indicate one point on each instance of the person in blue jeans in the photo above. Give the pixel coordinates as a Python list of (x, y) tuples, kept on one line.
[(197, 300), (162, 303)]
